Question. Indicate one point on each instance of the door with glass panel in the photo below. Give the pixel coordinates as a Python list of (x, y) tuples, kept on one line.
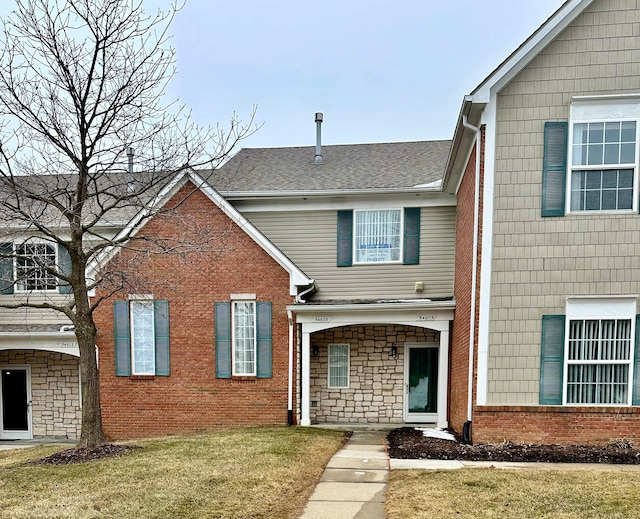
[(421, 383), (15, 400)]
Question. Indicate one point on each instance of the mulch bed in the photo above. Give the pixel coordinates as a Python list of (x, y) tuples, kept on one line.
[(82, 454), (409, 443)]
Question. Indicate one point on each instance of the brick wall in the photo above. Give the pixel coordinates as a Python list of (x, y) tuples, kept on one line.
[(564, 425), (460, 337), (376, 379), (55, 392), (192, 398)]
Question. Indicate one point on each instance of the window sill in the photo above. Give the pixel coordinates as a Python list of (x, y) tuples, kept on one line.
[(142, 377)]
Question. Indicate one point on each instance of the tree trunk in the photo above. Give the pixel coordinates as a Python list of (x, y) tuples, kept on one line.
[(92, 431)]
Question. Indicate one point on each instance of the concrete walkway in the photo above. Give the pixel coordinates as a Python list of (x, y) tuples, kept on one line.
[(354, 482)]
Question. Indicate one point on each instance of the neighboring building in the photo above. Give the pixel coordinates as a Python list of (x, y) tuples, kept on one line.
[(555, 340)]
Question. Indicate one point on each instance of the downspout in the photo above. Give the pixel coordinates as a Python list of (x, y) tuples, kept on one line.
[(290, 388), (300, 296), (466, 429)]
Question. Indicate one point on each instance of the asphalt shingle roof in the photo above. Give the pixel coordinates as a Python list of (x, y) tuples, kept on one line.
[(347, 166)]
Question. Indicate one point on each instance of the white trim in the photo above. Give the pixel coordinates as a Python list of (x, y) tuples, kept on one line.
[(329, 386), (297, 278), (601, 308), (233, 340), (419, 417), (354, 250), (484, 315), (132, 335), (524, 54), (18, 435)]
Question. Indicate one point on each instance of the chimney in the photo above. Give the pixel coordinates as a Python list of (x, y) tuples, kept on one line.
[(130, 186), (319, 118)]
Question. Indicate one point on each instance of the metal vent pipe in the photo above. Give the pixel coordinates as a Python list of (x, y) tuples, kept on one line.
[(319, 118)]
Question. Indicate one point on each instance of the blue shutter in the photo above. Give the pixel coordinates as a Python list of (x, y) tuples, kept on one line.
[(345, 239), (122, 338), (223, 340), (636, 367), (64, 265), (263, 355), (554, 168), (552, 359), (411, 236), (6, 269), (161, 322)]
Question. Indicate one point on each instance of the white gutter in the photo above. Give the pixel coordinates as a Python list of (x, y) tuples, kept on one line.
[(234, 195), (476, 221), (290, 381), (417, 304)]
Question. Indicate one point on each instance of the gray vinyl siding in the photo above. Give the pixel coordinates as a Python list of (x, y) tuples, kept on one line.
[(537, 262), (22, 317), (309, 239)]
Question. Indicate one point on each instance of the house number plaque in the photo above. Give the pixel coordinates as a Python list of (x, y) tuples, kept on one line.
[(427, 317)]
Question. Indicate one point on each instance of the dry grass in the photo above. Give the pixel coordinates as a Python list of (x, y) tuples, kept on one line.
[(239, 473), (504, 494)]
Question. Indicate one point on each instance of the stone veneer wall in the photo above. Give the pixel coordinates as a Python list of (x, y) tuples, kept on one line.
[(55, 392), (376, 380)]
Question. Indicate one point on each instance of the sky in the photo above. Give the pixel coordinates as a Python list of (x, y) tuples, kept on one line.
[(379, 70)]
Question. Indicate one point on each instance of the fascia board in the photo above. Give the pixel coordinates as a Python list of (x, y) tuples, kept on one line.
[(297, 277), (249, 195), (524, 54)]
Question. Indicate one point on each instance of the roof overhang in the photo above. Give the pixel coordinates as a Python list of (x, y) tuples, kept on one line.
[(60, 342)]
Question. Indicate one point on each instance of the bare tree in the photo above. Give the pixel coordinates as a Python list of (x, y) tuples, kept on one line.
[(81, 83)]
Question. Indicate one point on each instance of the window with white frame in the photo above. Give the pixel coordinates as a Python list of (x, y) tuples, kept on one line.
[(244, 338), (599, 351), (338, 365), (30, 266), (603, 172), (599, 361), (143, 349), (378, 236)]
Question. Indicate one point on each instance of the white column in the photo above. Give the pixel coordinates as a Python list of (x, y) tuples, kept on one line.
[(443, 379), (305, 382)]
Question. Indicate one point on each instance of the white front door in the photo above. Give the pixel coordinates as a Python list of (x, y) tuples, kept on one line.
[(421, 383), (15, 403)]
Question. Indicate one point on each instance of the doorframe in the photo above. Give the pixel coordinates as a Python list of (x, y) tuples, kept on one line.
[(18, 435)]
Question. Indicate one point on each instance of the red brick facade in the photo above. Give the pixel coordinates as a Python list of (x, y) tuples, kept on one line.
[(192, 398), (460, 340), (564, 425)]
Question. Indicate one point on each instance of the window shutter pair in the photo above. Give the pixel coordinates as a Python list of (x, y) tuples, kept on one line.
[(7, 279), (411, 252), (554, 168), (223, 340), (123, 337), (552, 361)]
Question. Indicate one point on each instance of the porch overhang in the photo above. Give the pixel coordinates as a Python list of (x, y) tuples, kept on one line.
[(423, 313), (60, 342)]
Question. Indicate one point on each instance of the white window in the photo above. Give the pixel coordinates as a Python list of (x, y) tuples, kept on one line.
[(244, 337), (599, 352), (143, 359), (603, 155), (378, 236), (30, 264), (339, 365)]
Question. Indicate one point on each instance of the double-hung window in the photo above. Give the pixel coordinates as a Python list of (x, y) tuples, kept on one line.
[(244, 338), (141, 333), (590, 164), (588, 355), (338, 365), (142, 338), (31, 263), (378, 236)]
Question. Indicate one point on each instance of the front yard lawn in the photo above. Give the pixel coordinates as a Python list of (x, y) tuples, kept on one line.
[(499, 493), (255, 473)]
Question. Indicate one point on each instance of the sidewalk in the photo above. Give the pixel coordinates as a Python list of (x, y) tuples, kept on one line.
[(354, 482)]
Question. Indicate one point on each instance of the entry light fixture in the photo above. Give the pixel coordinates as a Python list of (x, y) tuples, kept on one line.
[(316, 351), (394, 351)]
